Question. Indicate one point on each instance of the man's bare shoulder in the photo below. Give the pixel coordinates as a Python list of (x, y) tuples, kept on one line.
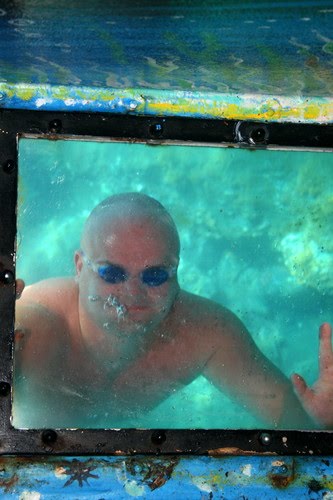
[(200, 312), (43, 315), (51, 293)]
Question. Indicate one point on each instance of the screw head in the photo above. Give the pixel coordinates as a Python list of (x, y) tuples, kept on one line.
[(49, 436), (9, 166), (258, 135), (55, 126), (156, 130), (265, 438), (158, 437), (7, 277), (4, 388)]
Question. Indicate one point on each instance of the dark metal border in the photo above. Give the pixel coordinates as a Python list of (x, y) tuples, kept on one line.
[(155, 130)]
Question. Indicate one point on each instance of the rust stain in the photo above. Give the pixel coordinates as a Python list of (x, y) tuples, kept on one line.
[(283, 480), (163, 476), (52, 136), (236, 451), (7, 484), (155, 473)]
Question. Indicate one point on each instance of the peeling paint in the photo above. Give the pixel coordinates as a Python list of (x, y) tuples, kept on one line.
[(165, 477), (247, 470), (282, 474), (134, 489), (168, 103), (41, 102), (155, 473), (30, 495), (202, 484)]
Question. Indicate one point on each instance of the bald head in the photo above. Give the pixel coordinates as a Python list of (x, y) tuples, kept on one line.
[(130, 208)]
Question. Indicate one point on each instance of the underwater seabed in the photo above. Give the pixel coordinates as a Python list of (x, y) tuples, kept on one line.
[(255, 230)]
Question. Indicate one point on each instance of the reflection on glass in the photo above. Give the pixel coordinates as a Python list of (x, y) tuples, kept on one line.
[(114, 331)]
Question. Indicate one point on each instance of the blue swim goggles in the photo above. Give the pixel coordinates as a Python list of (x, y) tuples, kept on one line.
[(113, 274)]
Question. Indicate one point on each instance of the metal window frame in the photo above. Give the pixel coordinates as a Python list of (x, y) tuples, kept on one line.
[(54, 125)]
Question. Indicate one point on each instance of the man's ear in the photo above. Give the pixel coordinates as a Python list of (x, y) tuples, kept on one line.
[(78, 260)]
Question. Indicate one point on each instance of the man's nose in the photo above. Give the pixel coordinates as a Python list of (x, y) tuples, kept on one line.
[(134, 286)]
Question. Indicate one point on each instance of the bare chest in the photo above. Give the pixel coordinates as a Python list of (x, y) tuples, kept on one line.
[(140, 381)]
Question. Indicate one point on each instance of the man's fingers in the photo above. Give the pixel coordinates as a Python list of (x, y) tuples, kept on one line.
[(325, 347), (19, 287), (299, 385)]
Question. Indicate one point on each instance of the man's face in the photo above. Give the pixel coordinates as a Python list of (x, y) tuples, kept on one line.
[(137, 292)]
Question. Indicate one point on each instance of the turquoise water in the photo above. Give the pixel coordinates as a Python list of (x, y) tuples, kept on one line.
[(255, 230)]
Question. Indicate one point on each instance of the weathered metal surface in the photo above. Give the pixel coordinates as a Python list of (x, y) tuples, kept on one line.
[(236, 60), (166, 477), (167, 103)]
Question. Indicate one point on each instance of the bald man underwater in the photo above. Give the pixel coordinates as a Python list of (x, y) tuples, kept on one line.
[(121, 337)]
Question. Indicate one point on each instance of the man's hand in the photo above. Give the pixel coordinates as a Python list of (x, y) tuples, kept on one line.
[(19, 334), (318, 399), (19, 287)]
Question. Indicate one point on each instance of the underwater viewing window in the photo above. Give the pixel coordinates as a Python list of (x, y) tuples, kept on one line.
[(174, 286)]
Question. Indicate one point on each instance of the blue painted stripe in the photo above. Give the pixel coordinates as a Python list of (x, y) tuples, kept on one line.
[(166, 477)]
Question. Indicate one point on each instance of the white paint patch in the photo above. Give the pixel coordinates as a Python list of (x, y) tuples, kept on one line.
[(69, 102), (134, 489), (30, 495), (202, 484), (41, 102), (131, 486), (247, 470)]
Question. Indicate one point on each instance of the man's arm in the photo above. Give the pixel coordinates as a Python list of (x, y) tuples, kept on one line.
[(240, 370), (44, 395), (41, 327)]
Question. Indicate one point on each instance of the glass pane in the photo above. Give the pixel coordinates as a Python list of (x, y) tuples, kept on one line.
[(106, 338)]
